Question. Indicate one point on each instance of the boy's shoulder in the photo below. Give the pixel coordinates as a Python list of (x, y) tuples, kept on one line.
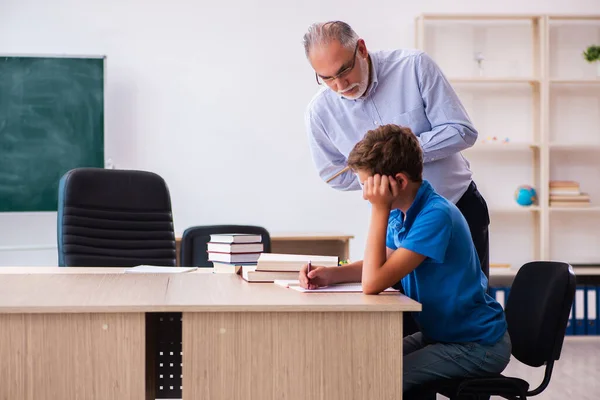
[(436, 203), (437, 207)]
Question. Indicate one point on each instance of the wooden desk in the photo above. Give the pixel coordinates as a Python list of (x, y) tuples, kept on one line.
[(75, 335), (326, 244), (78, 270), (82, 335), (260, 341)]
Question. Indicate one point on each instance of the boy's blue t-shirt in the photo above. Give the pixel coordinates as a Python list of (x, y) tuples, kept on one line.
[(449, 283)]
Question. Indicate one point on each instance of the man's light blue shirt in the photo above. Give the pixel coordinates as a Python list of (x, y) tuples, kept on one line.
[(408, 89)]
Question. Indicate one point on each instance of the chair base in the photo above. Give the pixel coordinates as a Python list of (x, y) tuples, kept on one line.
[(481, 388)]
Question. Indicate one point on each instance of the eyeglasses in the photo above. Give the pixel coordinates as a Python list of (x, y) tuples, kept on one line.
[(341, 74)]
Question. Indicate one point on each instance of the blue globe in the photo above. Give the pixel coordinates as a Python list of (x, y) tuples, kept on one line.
[(525, 195)]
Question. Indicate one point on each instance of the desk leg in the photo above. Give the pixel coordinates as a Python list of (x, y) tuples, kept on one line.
[(346, 250), (72, 356), (292, 355)]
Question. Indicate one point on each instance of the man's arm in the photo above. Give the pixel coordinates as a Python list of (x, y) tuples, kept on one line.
[(326, 157), (451, 129)]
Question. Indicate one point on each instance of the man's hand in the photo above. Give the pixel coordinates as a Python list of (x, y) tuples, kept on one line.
[(317, 277), (381, 191)]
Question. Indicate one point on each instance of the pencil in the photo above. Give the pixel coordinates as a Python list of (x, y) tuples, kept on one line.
[(308, 268), (338, 174)]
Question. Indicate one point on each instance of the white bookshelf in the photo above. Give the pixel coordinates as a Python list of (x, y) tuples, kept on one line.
[(536, 104)]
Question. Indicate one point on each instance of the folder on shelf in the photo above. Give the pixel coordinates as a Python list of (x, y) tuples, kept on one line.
[(580, 311), (597, 309), (500, 293), (592, 310)]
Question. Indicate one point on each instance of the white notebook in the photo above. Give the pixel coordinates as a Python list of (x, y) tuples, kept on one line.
[(286, 282), (340, 288), (150, 269)]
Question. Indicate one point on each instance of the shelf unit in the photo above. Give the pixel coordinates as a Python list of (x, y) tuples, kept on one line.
[(524, 78)]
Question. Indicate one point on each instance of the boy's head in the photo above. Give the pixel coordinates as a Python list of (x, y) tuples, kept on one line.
[(388, 150)]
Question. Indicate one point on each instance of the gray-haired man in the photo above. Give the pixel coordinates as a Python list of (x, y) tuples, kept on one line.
[(364, 89)]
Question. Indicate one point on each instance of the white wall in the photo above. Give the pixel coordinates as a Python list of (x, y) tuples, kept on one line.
[(211, 96)]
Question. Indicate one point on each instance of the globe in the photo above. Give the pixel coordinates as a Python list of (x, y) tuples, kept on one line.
[(525, 195)]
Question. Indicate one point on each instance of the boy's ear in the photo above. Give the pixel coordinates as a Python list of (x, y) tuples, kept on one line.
[(401, 180)]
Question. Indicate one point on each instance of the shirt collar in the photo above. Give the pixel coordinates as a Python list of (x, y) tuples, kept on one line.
[(417, 205), (374, 78)]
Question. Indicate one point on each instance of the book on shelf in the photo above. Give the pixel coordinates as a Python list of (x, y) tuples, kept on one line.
[(570, 204), (565, 188), (567, 194)]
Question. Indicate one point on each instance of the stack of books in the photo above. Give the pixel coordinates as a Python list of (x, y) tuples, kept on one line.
[(567, 194), (230, 251), (272, 266)]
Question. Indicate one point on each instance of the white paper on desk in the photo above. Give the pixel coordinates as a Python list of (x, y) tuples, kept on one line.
[(342, 288), (153, 269), (287, 282)]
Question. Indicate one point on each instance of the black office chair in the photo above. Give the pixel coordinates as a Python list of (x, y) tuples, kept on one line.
[(194, 239), (114, 218), (122, 218), (537, 312)]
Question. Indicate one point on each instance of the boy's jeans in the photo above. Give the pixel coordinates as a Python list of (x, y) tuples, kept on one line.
[(426, 361)]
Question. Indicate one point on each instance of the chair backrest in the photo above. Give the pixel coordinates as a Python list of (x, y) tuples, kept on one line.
[(114, 218), (537, 311), (194, 240)]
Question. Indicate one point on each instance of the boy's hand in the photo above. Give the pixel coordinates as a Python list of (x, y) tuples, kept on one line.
[(380, 190), (317, 277)]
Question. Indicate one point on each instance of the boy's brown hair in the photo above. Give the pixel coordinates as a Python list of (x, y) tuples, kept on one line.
[(388, 150)]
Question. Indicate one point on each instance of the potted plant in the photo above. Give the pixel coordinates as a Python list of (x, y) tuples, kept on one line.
[(592, 54)]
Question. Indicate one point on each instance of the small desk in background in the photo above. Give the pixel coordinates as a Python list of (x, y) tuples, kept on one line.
[(312, 244), (324, 244)]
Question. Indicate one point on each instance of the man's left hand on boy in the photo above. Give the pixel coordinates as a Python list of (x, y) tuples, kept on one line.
[(381, 191)]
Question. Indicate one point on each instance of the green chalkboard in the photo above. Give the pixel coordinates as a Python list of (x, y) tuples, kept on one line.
[(51, 121)]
